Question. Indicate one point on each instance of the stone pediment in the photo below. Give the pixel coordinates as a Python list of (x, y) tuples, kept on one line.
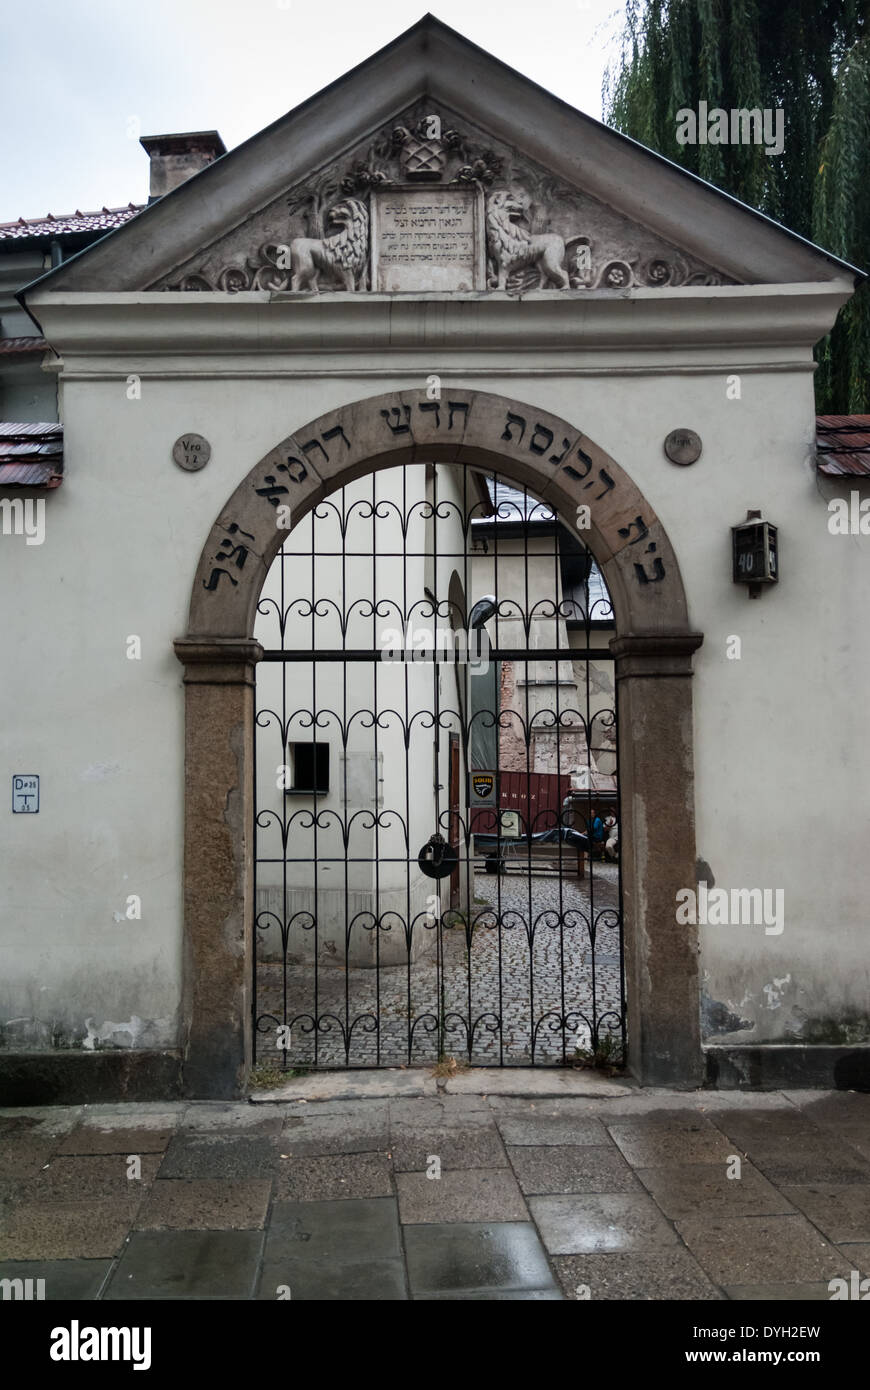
[(432, 165), (433, 202)]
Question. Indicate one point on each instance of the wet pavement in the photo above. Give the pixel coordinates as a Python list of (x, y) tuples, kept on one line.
[(425, 1188)]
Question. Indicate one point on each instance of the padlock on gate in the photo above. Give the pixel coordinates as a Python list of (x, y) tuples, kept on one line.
[(437, 858)]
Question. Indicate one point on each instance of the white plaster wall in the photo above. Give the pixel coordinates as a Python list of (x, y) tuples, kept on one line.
[(781, 752)]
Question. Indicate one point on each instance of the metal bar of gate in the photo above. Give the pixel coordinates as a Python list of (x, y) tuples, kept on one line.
[(443, 658)]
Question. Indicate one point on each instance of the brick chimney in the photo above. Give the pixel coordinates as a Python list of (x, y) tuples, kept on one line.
[(174, 158)]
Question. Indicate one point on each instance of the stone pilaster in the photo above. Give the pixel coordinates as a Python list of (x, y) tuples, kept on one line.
[(654, 693), (218, 863)]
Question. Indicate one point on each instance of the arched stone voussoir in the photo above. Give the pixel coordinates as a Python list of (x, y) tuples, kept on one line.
[(524, 444), (644, 581)]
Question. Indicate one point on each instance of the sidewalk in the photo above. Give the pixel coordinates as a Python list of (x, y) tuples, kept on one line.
[(596, 1190)]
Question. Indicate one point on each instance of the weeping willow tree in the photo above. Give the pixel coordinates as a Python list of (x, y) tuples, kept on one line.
[(810, 58)]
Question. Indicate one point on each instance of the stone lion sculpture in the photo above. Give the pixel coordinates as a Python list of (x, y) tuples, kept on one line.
[(511, 247), (343, 255)]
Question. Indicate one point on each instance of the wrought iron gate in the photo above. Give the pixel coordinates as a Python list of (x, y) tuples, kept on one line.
[(437, 802)]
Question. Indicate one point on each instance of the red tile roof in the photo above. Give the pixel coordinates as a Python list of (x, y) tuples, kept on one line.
[(31, 454), (843, 445), (12, 347), (69, 223)]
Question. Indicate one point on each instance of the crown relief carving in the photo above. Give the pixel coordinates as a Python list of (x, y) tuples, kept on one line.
[(538, 232)]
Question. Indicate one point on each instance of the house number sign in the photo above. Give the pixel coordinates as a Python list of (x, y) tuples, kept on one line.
[(191, 452), (25, 794)]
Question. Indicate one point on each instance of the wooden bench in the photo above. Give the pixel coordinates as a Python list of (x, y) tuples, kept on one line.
[(564, 859)]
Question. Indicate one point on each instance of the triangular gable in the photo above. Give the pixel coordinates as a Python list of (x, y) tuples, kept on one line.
[(526, 167)]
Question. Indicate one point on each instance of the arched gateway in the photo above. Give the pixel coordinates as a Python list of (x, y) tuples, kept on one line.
[(438, 265), (554, 460)]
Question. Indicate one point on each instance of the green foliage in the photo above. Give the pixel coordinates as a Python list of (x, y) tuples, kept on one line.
[(841, 222), (606, 1055), (809, 57)]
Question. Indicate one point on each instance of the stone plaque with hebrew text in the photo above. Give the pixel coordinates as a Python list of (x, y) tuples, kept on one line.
[(427, 239)]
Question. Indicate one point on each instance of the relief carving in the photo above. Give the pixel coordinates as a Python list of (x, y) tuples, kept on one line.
[(511, 247), (540, 232), (344, 255)]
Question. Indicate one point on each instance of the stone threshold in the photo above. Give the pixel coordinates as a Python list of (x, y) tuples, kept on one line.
[(362, 1084)]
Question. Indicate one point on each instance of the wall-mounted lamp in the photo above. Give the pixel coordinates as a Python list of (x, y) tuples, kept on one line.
[(755, 556)]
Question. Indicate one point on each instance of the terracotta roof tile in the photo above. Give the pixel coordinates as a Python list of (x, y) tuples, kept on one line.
[(12, 347), (68, 223), (31, 454), (843, 445)]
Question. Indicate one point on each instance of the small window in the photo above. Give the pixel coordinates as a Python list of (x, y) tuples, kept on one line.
[(310, 768)]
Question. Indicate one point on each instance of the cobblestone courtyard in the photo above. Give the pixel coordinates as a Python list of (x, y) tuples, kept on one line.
[(501, 980)]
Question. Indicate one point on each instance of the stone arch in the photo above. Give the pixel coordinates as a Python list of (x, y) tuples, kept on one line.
[(653, 651)]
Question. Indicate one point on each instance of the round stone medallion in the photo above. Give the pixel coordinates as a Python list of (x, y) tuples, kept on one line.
[(191, 451), (683, 447)]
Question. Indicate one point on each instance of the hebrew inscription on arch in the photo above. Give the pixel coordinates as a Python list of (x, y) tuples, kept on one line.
[(550, 450)]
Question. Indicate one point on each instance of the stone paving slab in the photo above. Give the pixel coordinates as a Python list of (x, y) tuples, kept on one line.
[(203, 1116), (352, 1231), (188, 1264), (749, 1127), (650, 1143), (381, 1281), (859, 1254), (704, 1189), (761, 1249), (797, 1159), (364, 1130), (335, 1176), (24, 1158), (625, 1222), (460, 1196), (674, 1275), (68, 1230), (457, 1147), (92, 1138), (69, 1178), (39, 1121), (204, 1204), (567, 1169), (840, 1210), (553, 1122), (487, 1258), (63, 1280), (334, 1250), (432, 1111), (833, 1107), (215, 1155)]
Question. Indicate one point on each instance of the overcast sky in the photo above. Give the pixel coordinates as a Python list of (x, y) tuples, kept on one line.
[(77, 75)]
